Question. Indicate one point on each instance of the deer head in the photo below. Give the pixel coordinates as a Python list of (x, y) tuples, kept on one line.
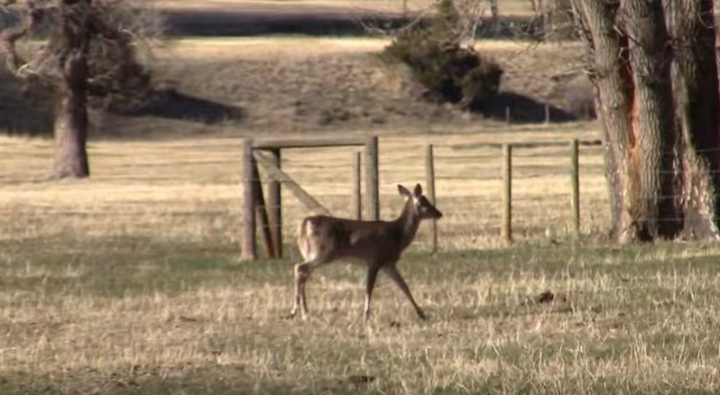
[(419, 204)]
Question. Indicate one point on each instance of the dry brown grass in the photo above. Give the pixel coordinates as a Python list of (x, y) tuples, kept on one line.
[(136, 183), (301, 84), (129, 283), (271, 47)]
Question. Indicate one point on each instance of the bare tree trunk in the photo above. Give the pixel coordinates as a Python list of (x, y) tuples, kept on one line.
[(652, 204), (71, 122), (558, 24), (540, 16), (609, 71), (495, 18), (653, 64), (71, 117), (695, 80)]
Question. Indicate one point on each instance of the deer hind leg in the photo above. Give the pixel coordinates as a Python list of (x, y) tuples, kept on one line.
[(369, 286), (302, 273), (394, 274)]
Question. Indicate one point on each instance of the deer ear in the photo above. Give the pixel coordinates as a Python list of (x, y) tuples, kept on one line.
[(418, 190), (403, 191)]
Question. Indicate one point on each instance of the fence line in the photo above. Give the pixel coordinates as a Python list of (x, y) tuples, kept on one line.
[(505, 176), (430, 191), (268, 154)]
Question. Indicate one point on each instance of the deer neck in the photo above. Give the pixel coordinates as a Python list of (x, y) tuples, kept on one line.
[(408, 223)]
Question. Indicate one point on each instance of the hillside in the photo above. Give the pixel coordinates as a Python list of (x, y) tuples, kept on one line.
[(276, 84)]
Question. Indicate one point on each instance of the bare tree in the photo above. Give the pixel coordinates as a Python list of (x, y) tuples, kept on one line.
[(460, 21), (470, 14), (89, 49), (494, 18), (654, 68), (553, 19)]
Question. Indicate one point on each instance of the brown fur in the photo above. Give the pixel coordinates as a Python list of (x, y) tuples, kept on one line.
[(377, 244)]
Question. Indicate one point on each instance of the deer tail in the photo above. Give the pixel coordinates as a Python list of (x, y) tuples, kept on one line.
[(304, 232)]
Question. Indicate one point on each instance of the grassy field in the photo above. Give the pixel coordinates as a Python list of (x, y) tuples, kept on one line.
[(131, 283), (192, 186)]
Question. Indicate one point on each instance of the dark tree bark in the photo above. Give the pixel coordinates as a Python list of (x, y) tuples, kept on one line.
[(494, 18), (609, 71), (652, 202), (71, 122), (71, 114), (653, 65), (90, 52), (695, 80)]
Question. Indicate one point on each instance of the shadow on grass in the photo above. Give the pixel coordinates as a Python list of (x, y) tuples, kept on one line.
[(23, 111), (523, 109), (108, 267), (320, 21), (236, 379), (26, 113), (226, 379), (172, 104)]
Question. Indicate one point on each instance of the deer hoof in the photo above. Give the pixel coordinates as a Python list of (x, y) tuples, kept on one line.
[(366, 314)]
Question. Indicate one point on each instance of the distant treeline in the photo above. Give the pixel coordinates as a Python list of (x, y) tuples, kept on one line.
[(208, 23)]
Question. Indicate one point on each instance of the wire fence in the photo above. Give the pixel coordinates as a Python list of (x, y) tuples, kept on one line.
[(193, 190), (469, 182)]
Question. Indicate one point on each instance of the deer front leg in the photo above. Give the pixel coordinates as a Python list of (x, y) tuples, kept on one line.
[(302, 272), (394, 274), (372, 273)]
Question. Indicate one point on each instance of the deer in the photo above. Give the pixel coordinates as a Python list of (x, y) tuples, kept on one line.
[(379, 244)]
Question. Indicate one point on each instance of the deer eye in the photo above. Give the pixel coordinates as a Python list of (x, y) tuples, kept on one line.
[(422, 203)]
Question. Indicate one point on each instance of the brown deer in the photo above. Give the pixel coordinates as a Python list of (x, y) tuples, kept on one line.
[(378, 244)]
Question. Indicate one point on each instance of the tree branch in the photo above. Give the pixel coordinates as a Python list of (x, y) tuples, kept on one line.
[(9, 36), (31, 15), (98, 25)]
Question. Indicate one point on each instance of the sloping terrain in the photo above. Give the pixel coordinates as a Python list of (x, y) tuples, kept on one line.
[(296, 84), (304, 84)]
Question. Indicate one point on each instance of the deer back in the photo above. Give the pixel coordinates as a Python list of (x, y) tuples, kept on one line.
[(327, 239)]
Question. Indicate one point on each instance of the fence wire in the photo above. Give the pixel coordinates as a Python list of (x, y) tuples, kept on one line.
[(468, 188), (194, 190)]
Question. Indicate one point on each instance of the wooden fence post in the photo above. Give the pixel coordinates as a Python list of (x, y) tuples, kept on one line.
[(249, 249), (430, 193), (575, 184), (262, 215), (506, 231), (356, 198), (372, 188), (274, 202), (547, 114)]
